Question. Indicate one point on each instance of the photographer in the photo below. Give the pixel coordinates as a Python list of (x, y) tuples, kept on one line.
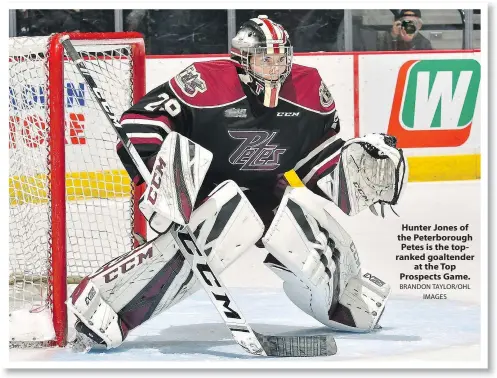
[(405, 33)]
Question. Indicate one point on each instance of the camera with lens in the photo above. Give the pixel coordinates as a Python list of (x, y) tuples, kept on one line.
[(409, 26)]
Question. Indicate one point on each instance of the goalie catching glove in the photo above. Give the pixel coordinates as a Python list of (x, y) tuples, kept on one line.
[(370, 170), (320, 267)]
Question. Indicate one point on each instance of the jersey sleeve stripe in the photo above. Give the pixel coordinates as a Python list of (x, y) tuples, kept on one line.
[(322, 167), (314, 152), (317, 167), (150, 139), (142, 116), (161, 121), (145, 136)]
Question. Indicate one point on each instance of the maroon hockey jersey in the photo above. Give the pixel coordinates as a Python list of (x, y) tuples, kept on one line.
[(251, 144)]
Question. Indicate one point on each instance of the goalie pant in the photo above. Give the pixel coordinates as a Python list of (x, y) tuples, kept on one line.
[(323, 278)]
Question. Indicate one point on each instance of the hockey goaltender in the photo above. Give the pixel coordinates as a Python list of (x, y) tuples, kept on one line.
[(217, 139)]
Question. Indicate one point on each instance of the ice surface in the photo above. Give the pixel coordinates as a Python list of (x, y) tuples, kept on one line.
[(447, 329), (193, 330)]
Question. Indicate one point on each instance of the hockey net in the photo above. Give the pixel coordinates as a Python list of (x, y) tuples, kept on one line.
[(72, 205)]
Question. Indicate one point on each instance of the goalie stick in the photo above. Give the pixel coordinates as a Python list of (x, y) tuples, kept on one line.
[(253, 342)]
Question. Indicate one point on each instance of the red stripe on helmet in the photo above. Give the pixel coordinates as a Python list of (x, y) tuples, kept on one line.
[(270, 26)]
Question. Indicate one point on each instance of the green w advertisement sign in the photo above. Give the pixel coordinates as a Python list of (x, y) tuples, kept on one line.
[(434, 102)]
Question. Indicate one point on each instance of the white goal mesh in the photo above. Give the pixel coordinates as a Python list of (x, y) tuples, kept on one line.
[(98, 193)]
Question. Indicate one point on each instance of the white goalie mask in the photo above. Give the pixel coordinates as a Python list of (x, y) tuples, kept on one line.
[(264, 52)]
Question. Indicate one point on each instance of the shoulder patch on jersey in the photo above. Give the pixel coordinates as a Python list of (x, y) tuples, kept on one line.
[(190, 81), (208, 84), (325, 96), (306, 89)]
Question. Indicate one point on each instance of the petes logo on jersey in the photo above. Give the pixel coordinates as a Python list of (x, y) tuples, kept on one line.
[(256, 153), (325, 96), (235, 113), (191, 82)]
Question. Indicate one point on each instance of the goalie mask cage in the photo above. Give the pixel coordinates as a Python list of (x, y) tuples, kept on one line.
[(72, 205)]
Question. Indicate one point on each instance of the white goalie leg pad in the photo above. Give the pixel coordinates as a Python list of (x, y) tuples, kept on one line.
[(122, 278), (133, 288), (90, 308), (310, 245), (317, 261), (179, 170), (226, 225), (370, 170), (124, 290)]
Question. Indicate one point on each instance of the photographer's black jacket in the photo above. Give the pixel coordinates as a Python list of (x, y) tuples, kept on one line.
[(387, 43)]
